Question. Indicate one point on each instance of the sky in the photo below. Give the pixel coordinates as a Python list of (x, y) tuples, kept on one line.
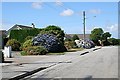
[(67, 15)]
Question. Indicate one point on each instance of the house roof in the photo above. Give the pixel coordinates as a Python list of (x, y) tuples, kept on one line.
[(16, 26), (20, 26), (79, 35)]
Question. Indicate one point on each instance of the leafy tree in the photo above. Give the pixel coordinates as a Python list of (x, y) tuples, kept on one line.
[(75, 37), (106, 35), (56, 30), (96, 35)]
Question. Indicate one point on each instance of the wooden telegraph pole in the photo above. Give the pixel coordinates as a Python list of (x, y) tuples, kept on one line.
[(84, 25)]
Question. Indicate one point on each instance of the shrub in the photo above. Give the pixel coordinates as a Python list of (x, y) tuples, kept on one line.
[(68, 39), (113, 41), (106, 43), (70, 44), (14, 44), (28, 38), (75, 37), (26, 44), (35, 50), (23, 53), (50, 42)]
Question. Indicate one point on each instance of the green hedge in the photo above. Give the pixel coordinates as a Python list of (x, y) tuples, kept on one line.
[(20, 35)]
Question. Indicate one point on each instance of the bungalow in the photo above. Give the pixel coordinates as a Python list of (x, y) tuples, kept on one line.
[(18, 27), (5, 34)]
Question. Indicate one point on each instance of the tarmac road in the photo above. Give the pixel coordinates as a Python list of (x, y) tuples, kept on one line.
[(102, 63)]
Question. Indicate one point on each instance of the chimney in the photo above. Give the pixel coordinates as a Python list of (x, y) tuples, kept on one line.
[(33, 25)]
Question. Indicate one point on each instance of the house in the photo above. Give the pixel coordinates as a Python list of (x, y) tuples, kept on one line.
[(18, 27), (69, 36)]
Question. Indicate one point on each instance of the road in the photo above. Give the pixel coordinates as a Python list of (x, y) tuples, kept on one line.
[(102, 63)]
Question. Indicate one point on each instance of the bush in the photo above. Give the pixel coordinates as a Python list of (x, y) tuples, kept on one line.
[(113, 41), (35, 50), (26, 44), (23, 53), (50, 42), (28, 38), (106, 43), (70, 44), (75, 37), (67, 39), (14, 44)]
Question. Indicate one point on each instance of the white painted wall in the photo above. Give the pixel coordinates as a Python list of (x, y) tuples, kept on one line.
[(7, 52)]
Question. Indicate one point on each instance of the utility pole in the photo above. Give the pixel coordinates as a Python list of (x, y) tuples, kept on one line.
[(84, 25)]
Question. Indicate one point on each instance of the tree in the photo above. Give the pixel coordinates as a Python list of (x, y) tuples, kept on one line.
[(56, 30), (106, 35), (75, 37), (96, 35)]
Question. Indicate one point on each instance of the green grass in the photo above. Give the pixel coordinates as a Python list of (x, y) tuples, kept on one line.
[(75, 49), (60, 53)]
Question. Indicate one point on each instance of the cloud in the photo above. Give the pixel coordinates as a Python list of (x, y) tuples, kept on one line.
[(94, 11), (59, 3), (67, 12), (112, 28), (37, 5)]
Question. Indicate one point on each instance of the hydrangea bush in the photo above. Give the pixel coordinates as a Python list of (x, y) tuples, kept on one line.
[(50, 42)]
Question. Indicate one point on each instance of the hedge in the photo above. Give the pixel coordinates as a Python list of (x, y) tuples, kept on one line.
[(20, 35)]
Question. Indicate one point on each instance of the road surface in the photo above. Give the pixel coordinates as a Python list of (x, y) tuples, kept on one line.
[(102, 63)]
